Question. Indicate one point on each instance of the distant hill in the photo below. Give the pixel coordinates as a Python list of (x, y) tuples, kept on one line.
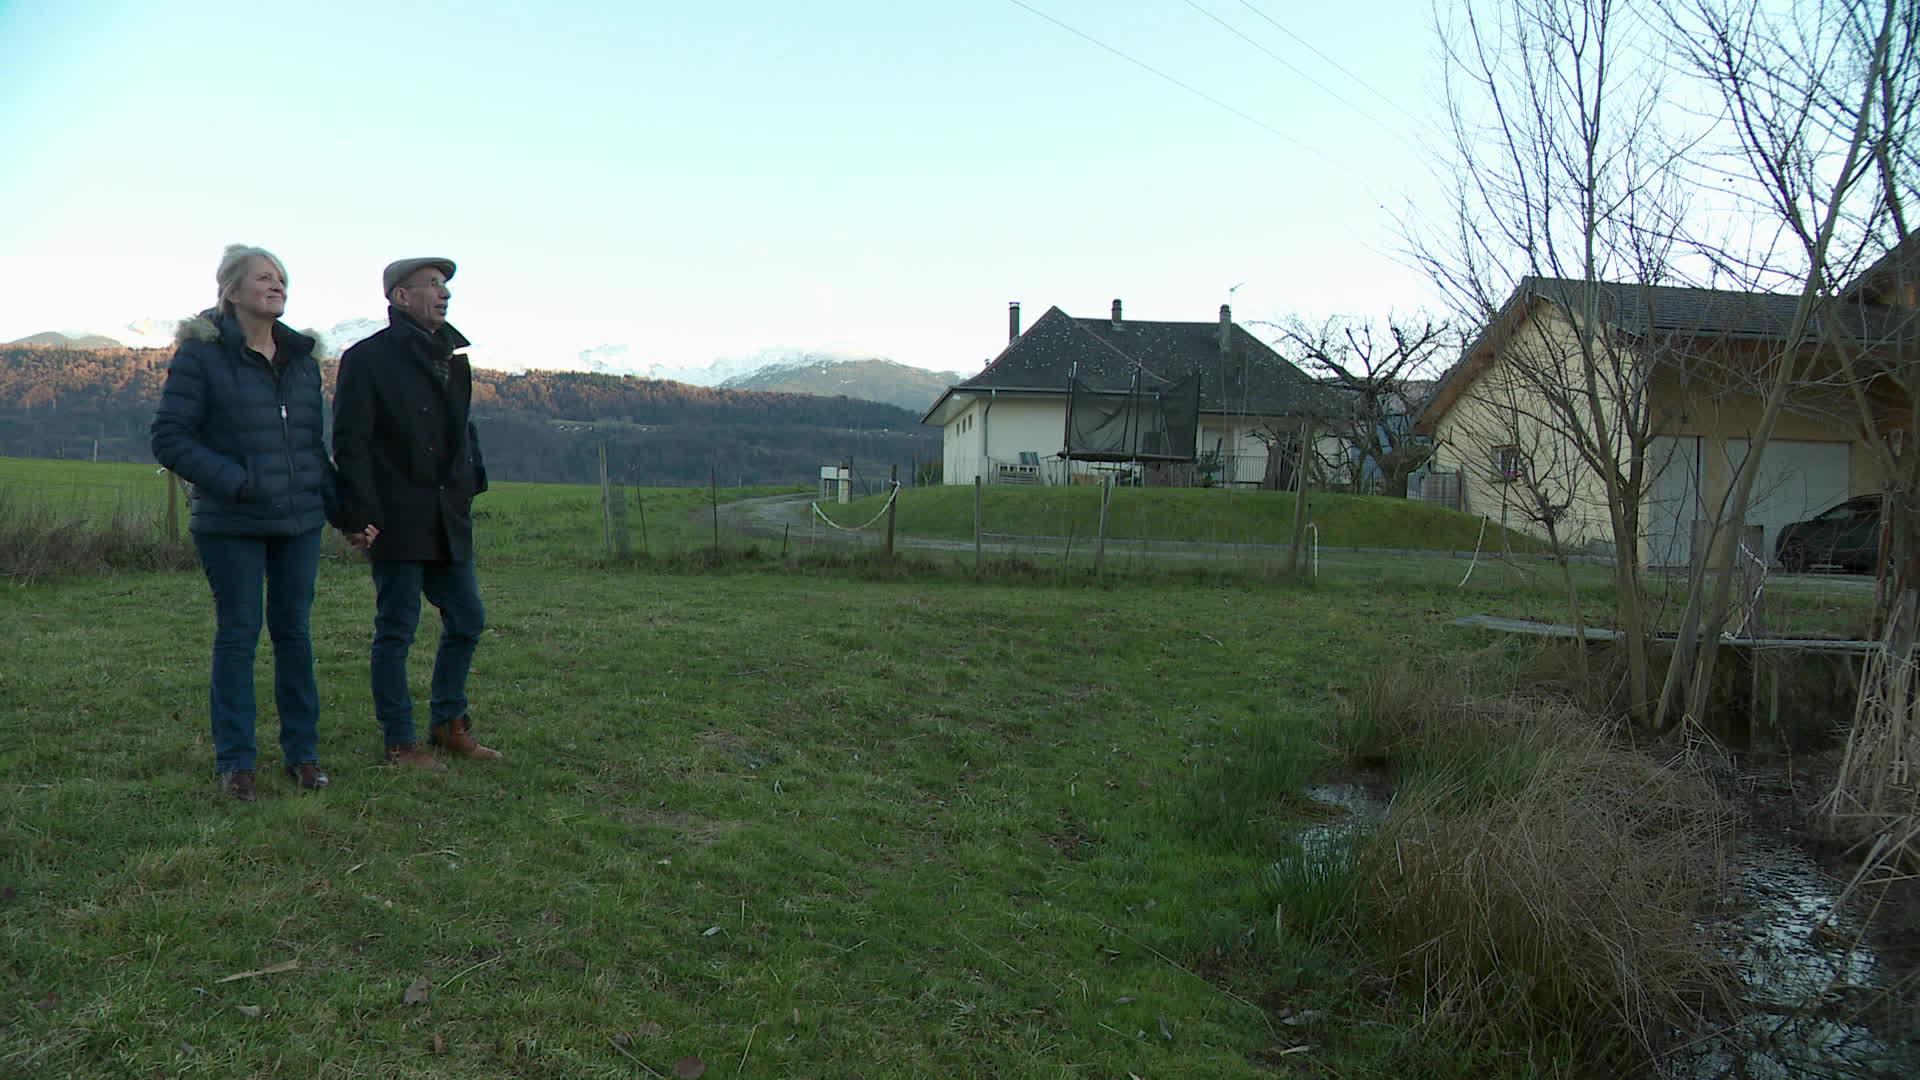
[(62, 402), (57, 339), (909, 387)]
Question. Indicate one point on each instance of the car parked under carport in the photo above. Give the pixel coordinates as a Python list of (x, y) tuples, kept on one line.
[(1847, 536)]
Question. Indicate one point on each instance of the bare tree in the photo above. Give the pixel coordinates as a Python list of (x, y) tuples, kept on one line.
[(1826, 97), (1563, 182), (1802, 91), (1380, 373)]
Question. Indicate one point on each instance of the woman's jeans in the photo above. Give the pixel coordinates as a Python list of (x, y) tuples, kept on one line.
[(236, 568)]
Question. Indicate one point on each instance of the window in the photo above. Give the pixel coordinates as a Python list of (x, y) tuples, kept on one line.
[(1508, 464)]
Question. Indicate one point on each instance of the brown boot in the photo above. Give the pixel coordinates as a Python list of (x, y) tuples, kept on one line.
[(308, 775), (456, 738), (415, 756), (238, 784)]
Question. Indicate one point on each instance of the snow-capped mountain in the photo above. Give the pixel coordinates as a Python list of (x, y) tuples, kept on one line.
[(346, 333), (611, 359), (829, 374), (783, 369), (147, 333)]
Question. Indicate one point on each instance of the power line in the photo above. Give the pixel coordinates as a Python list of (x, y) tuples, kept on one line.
[(1290, 65), (1337, 66), (1364, 180), (1195, 91)]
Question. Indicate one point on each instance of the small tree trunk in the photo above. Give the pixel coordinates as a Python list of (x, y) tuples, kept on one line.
[(1299, 501)]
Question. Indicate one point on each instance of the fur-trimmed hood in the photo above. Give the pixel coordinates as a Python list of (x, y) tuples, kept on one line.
[(207, 326)]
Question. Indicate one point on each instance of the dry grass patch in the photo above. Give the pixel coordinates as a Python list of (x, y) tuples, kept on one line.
[(39, 541), (1535, 880), (1875, 802)]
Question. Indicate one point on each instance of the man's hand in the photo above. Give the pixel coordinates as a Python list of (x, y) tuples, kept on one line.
[(362, 540)]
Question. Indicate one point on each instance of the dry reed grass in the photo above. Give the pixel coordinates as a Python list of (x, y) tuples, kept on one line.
[(1535, 879), (1875, 800)]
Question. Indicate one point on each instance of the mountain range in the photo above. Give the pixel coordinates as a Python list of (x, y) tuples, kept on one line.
[(831, 374), (820, 372), (64, 402)]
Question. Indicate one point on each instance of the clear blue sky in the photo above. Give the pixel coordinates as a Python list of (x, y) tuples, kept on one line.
[(704, 180)]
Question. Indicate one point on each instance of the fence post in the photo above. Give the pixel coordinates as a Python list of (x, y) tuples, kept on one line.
[(976, 523), (173, 506), (1100, 546), (713, 497), (640, 504), (606, 503), (893, 503), (1300, 499)]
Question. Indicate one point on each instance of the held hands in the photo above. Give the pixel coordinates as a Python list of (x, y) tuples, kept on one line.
[(363, 539)]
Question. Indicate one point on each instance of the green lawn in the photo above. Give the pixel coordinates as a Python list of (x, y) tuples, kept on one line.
[(875, 829), (96, 490), (789, 818)]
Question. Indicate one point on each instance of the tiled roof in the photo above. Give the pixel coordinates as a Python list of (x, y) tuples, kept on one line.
[(1671, 312), (1254, 379), (1713, 313)]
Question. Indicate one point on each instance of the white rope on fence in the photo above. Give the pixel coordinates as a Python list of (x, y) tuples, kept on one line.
[(1759, 587), (891, 495), (1476, 553)]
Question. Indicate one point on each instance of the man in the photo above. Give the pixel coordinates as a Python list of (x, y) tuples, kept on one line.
[(409, 464)]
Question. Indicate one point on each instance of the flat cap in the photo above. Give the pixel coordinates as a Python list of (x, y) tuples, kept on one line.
[(399, 270)]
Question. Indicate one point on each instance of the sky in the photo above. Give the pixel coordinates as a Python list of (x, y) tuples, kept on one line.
[(698, 181)]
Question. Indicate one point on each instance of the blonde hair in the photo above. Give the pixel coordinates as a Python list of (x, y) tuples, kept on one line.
[(233, 267)]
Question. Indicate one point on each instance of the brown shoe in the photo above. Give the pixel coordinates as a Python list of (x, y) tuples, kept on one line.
[(456, 738), (308, 775), (415, 756), (239, 784)]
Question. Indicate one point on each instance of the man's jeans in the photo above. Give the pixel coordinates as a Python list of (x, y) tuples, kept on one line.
[(236, 566), (398, 586)]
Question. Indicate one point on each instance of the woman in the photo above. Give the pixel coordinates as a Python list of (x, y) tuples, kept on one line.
[(241, 418)]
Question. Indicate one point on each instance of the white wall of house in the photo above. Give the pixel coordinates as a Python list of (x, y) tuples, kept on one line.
[(1244, 456), (1797, 479), (994, 431), (960, 446), (1701, 441), (979, 439), (1675, 500)]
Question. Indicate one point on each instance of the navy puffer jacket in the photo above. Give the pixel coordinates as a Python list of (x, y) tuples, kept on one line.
[(250, 439)]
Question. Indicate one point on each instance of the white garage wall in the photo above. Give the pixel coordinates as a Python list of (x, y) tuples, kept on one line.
[(1797, 480), (1673, 502)]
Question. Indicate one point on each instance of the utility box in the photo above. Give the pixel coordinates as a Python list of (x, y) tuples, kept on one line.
[(836, 483)]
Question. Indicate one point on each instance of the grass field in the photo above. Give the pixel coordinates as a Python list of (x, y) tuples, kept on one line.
[(788, 819)]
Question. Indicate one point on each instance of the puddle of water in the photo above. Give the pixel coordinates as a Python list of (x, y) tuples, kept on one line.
[(1799, 965), (1796, 955), (1353, 798), (1791, 944), (1327, 842)]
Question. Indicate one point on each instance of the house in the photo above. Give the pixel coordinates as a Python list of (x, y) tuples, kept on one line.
[(1008, 424), (1695, 356), (1369, 464)]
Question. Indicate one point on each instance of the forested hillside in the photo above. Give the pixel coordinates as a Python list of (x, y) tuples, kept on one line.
[(72, 403)]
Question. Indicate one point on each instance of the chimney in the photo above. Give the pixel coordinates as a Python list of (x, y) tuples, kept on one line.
[(1116, 314), (1226, 330), (1013, 321)]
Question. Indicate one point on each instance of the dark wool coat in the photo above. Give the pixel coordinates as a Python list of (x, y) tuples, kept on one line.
[(408, 455), (249, 435)]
